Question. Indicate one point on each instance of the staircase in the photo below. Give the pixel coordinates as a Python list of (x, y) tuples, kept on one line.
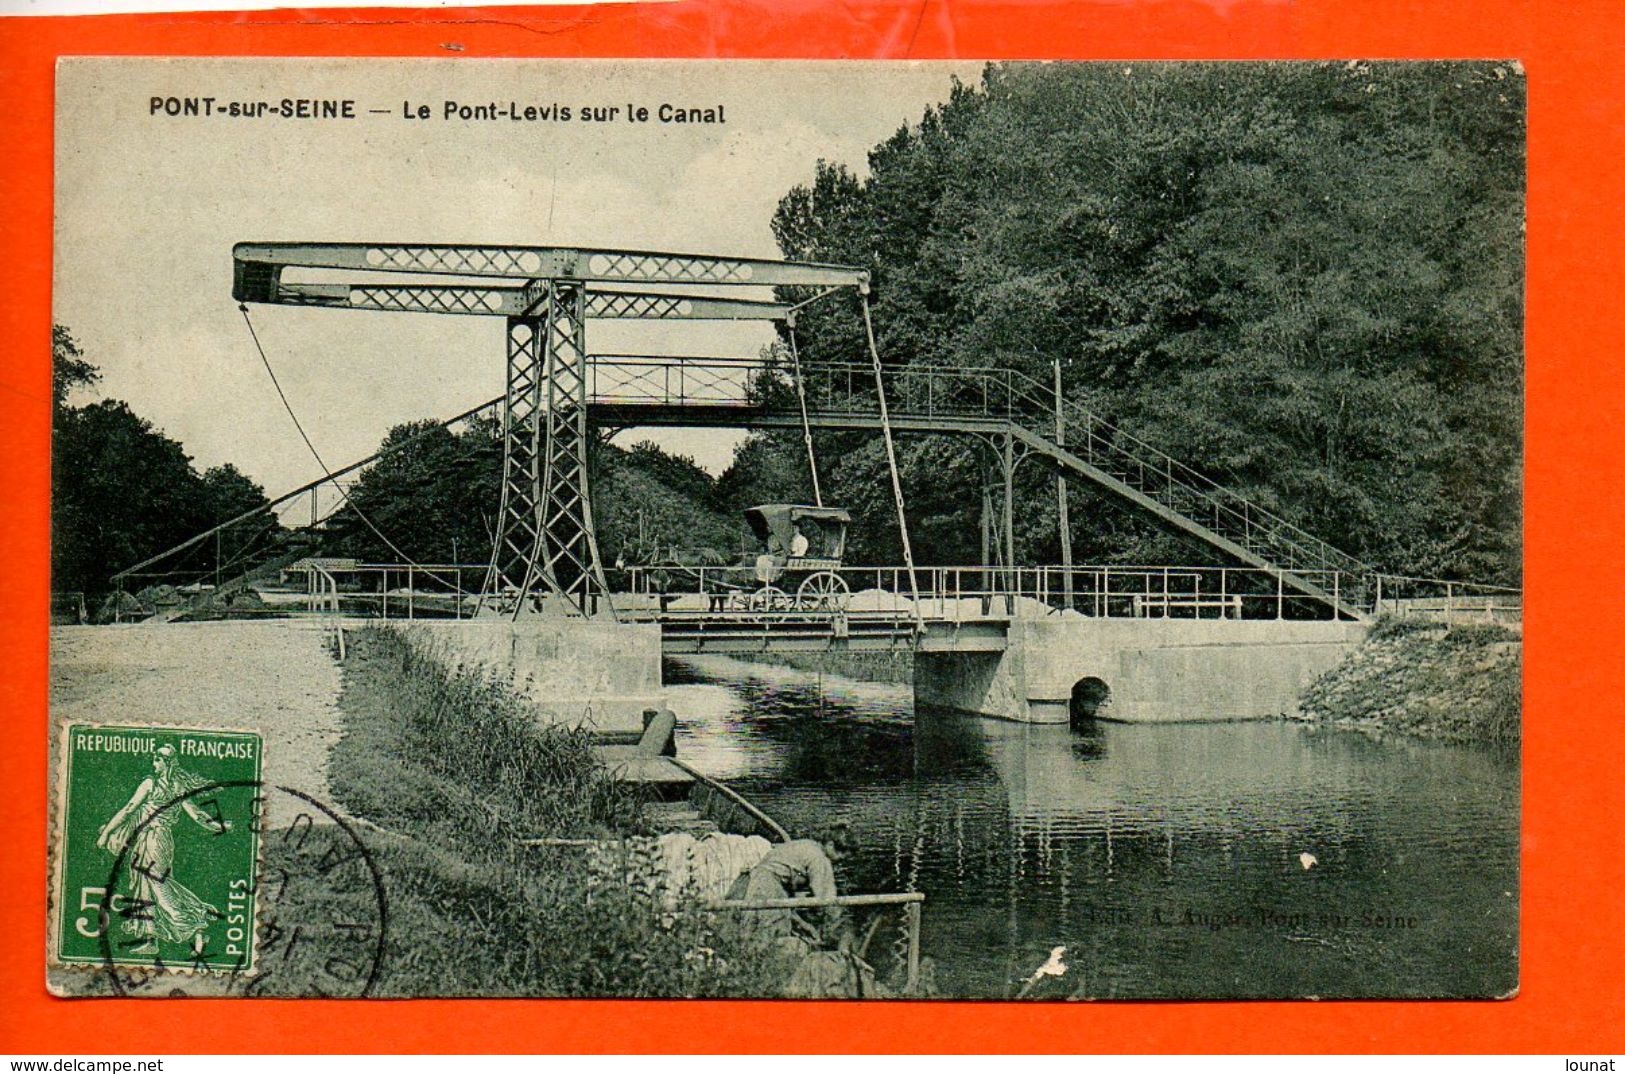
[(1192, 503)]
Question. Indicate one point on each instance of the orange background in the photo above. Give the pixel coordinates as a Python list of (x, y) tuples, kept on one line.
[(1573, 943)]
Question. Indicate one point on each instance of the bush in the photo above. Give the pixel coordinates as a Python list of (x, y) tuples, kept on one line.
[(1390, 627)]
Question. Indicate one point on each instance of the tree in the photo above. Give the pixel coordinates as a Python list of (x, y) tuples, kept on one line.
[(122, 492), (436, 494), (227, 494)]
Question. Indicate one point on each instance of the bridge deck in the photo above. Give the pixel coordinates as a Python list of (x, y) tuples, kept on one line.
[(689, 633)]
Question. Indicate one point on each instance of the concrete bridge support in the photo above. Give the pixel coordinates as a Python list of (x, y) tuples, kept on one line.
[(1153, 670), (579, 672)]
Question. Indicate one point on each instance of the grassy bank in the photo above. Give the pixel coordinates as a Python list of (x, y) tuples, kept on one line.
[(864, 667), (453, 768), (1417, 678)]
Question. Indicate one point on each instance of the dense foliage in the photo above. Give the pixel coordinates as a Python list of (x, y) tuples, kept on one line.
[(1303, 279), (432, 499), (123, 491)]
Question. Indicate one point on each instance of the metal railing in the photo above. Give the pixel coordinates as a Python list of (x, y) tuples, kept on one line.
[(1445, 601), (944, 594), (390, 590)]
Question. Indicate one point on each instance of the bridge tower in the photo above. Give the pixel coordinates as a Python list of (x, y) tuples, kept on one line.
[(546, 545)]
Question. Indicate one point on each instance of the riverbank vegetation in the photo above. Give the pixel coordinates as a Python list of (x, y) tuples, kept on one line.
[(1419, 678), (448, 769)]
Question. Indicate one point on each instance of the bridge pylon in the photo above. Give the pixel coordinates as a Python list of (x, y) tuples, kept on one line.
[(545, 543)]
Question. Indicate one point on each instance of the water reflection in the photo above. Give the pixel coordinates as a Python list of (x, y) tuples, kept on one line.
[(1168, 859)]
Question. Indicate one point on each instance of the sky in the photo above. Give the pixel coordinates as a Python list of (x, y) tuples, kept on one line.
[(149, 206)]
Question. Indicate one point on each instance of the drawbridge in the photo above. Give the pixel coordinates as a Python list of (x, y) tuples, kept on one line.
[(560, 394)]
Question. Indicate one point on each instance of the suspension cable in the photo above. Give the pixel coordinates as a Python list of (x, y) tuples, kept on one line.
[(345, 495), (806, 424), (891, 463)]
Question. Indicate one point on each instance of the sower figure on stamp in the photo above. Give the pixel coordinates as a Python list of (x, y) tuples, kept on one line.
[(164, 909)]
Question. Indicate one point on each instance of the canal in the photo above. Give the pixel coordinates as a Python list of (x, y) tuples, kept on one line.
[(1184, 860)]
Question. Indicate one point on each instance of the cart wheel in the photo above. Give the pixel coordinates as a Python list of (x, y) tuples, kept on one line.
[(824, 591), (769, 598)]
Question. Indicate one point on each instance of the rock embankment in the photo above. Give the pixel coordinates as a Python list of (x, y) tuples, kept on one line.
[(1413, 677)]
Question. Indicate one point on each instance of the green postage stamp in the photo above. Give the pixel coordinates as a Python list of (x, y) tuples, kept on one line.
[(157, 846)]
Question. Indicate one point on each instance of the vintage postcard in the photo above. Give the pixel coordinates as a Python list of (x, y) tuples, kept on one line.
[(1020, 532)]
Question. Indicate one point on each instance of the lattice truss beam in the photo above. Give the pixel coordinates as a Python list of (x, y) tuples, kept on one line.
[(258, 266), (519, 301)]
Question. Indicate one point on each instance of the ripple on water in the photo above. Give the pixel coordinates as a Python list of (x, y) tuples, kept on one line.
[(1168, 859)]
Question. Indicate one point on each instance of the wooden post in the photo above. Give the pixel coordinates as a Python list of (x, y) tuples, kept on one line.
[(411, 606)]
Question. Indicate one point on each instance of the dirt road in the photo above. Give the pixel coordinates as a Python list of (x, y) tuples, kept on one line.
[(275, 677)]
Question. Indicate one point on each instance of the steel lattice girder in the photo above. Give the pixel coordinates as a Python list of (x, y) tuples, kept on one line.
[(258, 266), (567, 560), (486, 301)]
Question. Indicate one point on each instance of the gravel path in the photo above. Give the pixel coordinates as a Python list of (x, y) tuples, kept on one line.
[(274, 677)]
